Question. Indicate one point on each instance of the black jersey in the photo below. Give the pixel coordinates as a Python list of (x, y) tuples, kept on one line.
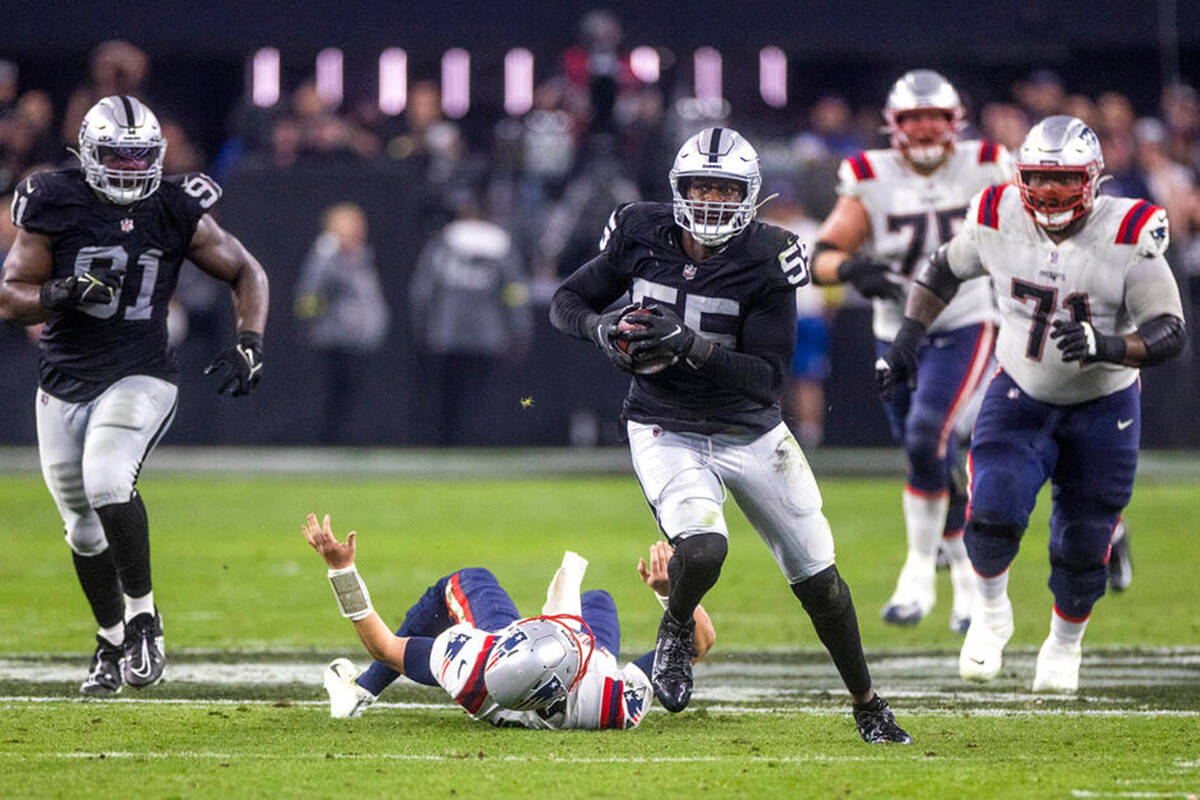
[(742, 297), (86, 349)]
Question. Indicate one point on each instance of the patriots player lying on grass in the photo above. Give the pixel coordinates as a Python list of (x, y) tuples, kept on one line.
[(558, 670)]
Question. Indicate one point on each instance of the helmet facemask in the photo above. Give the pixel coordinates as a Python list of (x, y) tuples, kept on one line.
[(1054, 206), (121, 149), (929, 155), (712, 222)]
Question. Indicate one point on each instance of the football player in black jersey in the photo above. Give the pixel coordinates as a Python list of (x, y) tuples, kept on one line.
[(96, 258), (709, 358)]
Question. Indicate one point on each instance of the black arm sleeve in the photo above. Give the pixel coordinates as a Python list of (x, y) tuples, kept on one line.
[(936, 275), (768, 337), (588, 290), (1164, 338)]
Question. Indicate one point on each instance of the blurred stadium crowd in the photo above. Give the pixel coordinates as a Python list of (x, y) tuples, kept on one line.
[(527, 196)]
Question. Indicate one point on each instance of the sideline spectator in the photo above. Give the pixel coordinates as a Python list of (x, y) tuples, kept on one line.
[(340, 301), (468, 303)]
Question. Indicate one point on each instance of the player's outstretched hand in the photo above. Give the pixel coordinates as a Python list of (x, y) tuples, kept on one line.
[(97, 287), (898, 367), (654, 574), (870, 278), (240, 366), (1079, 341), (605, 333), (337, 555)]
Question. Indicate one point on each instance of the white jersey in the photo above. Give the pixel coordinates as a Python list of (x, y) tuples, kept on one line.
[(1111, 272), (911, 214), (605, 697)]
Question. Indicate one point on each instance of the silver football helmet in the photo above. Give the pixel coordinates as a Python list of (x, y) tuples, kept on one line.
[(121, 149), (718, 153), (1059, 144), (917, 90), (537, 661)]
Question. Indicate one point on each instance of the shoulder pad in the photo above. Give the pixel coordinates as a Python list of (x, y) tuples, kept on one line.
[(644, 222), (860, 165), (986, 206), (988, 152), (195, 191), (1145, 225), (782, 249), (42, 201)]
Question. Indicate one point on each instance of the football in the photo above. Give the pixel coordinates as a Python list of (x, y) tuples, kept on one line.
[(647, 363)]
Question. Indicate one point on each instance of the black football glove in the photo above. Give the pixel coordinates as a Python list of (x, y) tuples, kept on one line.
[(97, 287), (241, 365), (664, 335), (605, 335), (870, 278), (1079, 341), (898, 367)]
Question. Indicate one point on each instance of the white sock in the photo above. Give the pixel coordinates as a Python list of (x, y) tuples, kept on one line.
[(956, 550), (1065, 633), (924, 519), (114, 635), (139, 605), (994, 590), (1118, 530)]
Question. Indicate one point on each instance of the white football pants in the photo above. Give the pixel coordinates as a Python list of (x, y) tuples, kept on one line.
[(683, 476), (91, 452)]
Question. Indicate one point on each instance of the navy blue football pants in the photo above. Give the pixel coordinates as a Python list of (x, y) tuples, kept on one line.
[(950, 368), (1087, 451)]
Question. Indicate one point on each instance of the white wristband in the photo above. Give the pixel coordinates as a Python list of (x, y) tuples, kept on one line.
[(351, 593), (662, 601)]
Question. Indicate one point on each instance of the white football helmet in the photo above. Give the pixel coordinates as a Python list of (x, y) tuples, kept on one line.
[(918, 90), (718, 153), (537, 661), (1059, 144), (121, 149)]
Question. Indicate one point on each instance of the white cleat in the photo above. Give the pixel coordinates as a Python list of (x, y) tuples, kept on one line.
[(916, 592), (982, 652), (1057, 668), (346, 698)]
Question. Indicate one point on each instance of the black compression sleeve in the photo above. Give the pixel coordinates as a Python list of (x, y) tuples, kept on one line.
[(768, 337), (588, 290), (1164, 338), (936, 275)]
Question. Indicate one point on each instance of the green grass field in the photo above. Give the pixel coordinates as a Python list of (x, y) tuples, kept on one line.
[(250, 622)]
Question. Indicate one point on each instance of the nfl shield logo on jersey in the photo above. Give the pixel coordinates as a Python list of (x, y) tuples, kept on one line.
[(689, 272), (127, 225)]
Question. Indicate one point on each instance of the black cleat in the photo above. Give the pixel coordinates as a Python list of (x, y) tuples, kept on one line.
[(104, 675), (1120, 560), (672, 672), (877, 724), (144, 659)]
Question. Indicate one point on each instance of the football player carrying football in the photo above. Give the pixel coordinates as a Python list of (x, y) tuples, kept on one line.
[(96, 258), (895, 207), (1086, 300), (558, 670), (709, 360)]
